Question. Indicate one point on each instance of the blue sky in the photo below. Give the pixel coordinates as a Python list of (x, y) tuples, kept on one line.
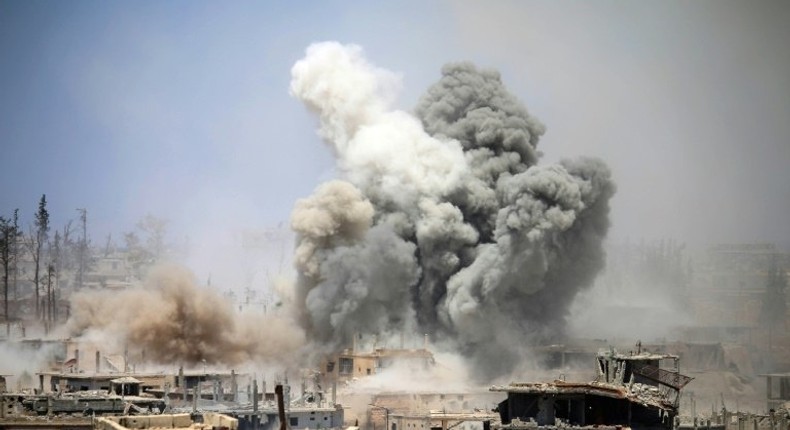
[(181, 109)]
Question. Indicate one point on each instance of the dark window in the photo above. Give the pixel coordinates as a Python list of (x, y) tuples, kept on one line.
[(346, 366), (294, 421)]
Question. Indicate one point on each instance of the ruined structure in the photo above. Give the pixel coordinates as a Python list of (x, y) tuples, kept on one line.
[(636, 391), (778, 391)]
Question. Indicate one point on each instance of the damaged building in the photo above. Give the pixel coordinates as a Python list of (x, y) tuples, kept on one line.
[(637, 391), (353, 363), (777, 390)]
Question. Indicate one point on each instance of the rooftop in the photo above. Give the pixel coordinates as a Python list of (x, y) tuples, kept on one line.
[(645, 395)]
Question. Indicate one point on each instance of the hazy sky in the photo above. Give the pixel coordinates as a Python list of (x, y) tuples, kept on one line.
[(181, 109)]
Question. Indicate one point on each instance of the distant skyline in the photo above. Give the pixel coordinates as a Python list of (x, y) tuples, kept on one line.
[(181, 109)]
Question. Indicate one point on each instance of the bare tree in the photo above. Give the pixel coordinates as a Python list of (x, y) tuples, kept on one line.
[(66, 260), (146, 245), (154, 229), (55, 255), (136, 255), (15, 252), (9, 233), (48, 310), (83, 248), (39, 234)]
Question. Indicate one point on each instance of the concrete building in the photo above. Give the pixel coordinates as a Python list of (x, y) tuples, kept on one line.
[(350, 364), (778, 390)]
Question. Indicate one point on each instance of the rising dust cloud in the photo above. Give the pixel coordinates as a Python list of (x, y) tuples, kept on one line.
[(172, 320)]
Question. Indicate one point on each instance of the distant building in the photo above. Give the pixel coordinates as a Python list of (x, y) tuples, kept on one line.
[(350, 364), (778, 390), (730, 285), (110, 271)]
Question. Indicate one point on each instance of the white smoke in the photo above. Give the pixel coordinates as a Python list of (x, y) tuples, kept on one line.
[(387, 154)]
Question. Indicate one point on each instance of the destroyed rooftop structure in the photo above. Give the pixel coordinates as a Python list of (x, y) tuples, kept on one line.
[(107, 385), (182, 385), (637, 390), (119, 393), (256, 411)]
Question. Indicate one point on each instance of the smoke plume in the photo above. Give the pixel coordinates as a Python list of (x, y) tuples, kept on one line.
[(172, 320), (444, 222)]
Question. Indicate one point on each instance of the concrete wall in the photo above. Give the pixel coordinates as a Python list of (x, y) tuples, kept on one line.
[(220, 421), (212, 420)]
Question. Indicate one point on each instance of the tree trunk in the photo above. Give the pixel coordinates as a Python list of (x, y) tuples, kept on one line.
[(5, 294), (49, 294), (35, 282), (55, 296)]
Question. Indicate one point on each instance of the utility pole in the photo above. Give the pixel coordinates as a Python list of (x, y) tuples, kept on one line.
[(55, 265), (15, 251), (83, 246)]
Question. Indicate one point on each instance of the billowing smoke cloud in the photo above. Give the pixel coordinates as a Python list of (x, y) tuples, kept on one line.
[(173, 321), (444, 223)]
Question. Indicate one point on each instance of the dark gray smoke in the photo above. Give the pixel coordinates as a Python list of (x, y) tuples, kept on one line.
[(445, 223)]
